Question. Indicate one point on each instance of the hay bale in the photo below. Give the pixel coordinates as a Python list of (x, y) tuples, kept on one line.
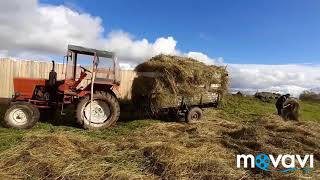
[(164, 78), (291, 110)]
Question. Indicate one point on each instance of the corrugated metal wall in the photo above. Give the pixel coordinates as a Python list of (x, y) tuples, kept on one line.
[(10, 68)]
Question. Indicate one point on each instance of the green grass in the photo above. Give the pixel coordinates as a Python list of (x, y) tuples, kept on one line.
[(249, 108), (245, 108), (234, 109), (10, 138), (310, 110)]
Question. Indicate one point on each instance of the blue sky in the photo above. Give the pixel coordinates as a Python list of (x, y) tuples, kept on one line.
[(268, 45), (244, 31)]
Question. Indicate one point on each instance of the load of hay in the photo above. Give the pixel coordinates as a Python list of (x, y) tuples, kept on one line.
[(291, 110), (164, 79)]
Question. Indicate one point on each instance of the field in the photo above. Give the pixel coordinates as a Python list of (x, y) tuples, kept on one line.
[(141, 148)]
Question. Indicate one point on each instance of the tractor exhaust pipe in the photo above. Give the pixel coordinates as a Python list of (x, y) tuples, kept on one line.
[(52, 76), (52, 66)]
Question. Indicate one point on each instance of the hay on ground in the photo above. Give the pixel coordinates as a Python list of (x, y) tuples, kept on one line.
[(205, 150), (272, 135)]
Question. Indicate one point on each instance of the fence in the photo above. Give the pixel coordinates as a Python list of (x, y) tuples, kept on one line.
[(10, 68)]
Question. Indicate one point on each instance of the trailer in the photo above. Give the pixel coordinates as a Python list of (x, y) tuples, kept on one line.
[(189, 107), (176, 85)]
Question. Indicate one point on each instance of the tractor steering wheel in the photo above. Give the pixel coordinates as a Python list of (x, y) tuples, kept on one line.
[(85, 70)]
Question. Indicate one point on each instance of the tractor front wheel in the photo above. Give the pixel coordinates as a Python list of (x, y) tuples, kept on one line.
[(21, 115), (102, 112)]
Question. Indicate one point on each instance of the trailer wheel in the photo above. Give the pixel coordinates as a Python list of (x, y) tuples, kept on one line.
[(21, 115), (103, 113), (194, 115)]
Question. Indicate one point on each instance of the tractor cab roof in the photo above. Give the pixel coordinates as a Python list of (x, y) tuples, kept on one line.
[(90, 51)]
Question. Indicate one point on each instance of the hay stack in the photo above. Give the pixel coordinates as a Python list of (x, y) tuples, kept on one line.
[(164, 78), (291, 110)]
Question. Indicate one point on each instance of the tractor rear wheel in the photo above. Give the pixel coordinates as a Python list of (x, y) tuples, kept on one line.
[(21, 115), (102, 112), (194, 115)]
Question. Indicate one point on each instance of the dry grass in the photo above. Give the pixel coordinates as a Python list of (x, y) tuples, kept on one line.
[(161, 150), (173, 77), (273, 135), (66, 156)]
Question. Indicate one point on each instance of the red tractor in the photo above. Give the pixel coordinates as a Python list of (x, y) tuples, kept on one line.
[(91, 87)]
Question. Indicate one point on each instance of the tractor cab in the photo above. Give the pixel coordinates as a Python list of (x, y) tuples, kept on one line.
[(86, 66)]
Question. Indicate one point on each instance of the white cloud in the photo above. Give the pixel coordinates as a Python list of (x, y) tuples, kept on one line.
[(3, 53), (165, 46), (126, 66), (204, 58), (277, 78), (33, 30), (28, 27), (133, 51)]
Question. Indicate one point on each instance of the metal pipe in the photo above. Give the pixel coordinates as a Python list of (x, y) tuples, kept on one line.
[(92, 81)]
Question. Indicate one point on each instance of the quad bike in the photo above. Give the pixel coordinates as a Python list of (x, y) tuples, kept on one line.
[(91, 87)]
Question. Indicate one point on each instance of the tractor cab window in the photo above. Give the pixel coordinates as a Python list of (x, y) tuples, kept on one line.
[(74, 64), (84, 61), (105, 69), (70, 66)]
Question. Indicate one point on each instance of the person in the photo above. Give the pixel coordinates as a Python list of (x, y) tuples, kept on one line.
[(280, 102)]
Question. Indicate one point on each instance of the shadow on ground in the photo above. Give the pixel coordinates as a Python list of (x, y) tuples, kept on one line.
[(129, 112)]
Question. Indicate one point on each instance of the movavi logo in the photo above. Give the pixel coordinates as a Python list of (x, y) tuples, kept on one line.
[(265, 162)]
